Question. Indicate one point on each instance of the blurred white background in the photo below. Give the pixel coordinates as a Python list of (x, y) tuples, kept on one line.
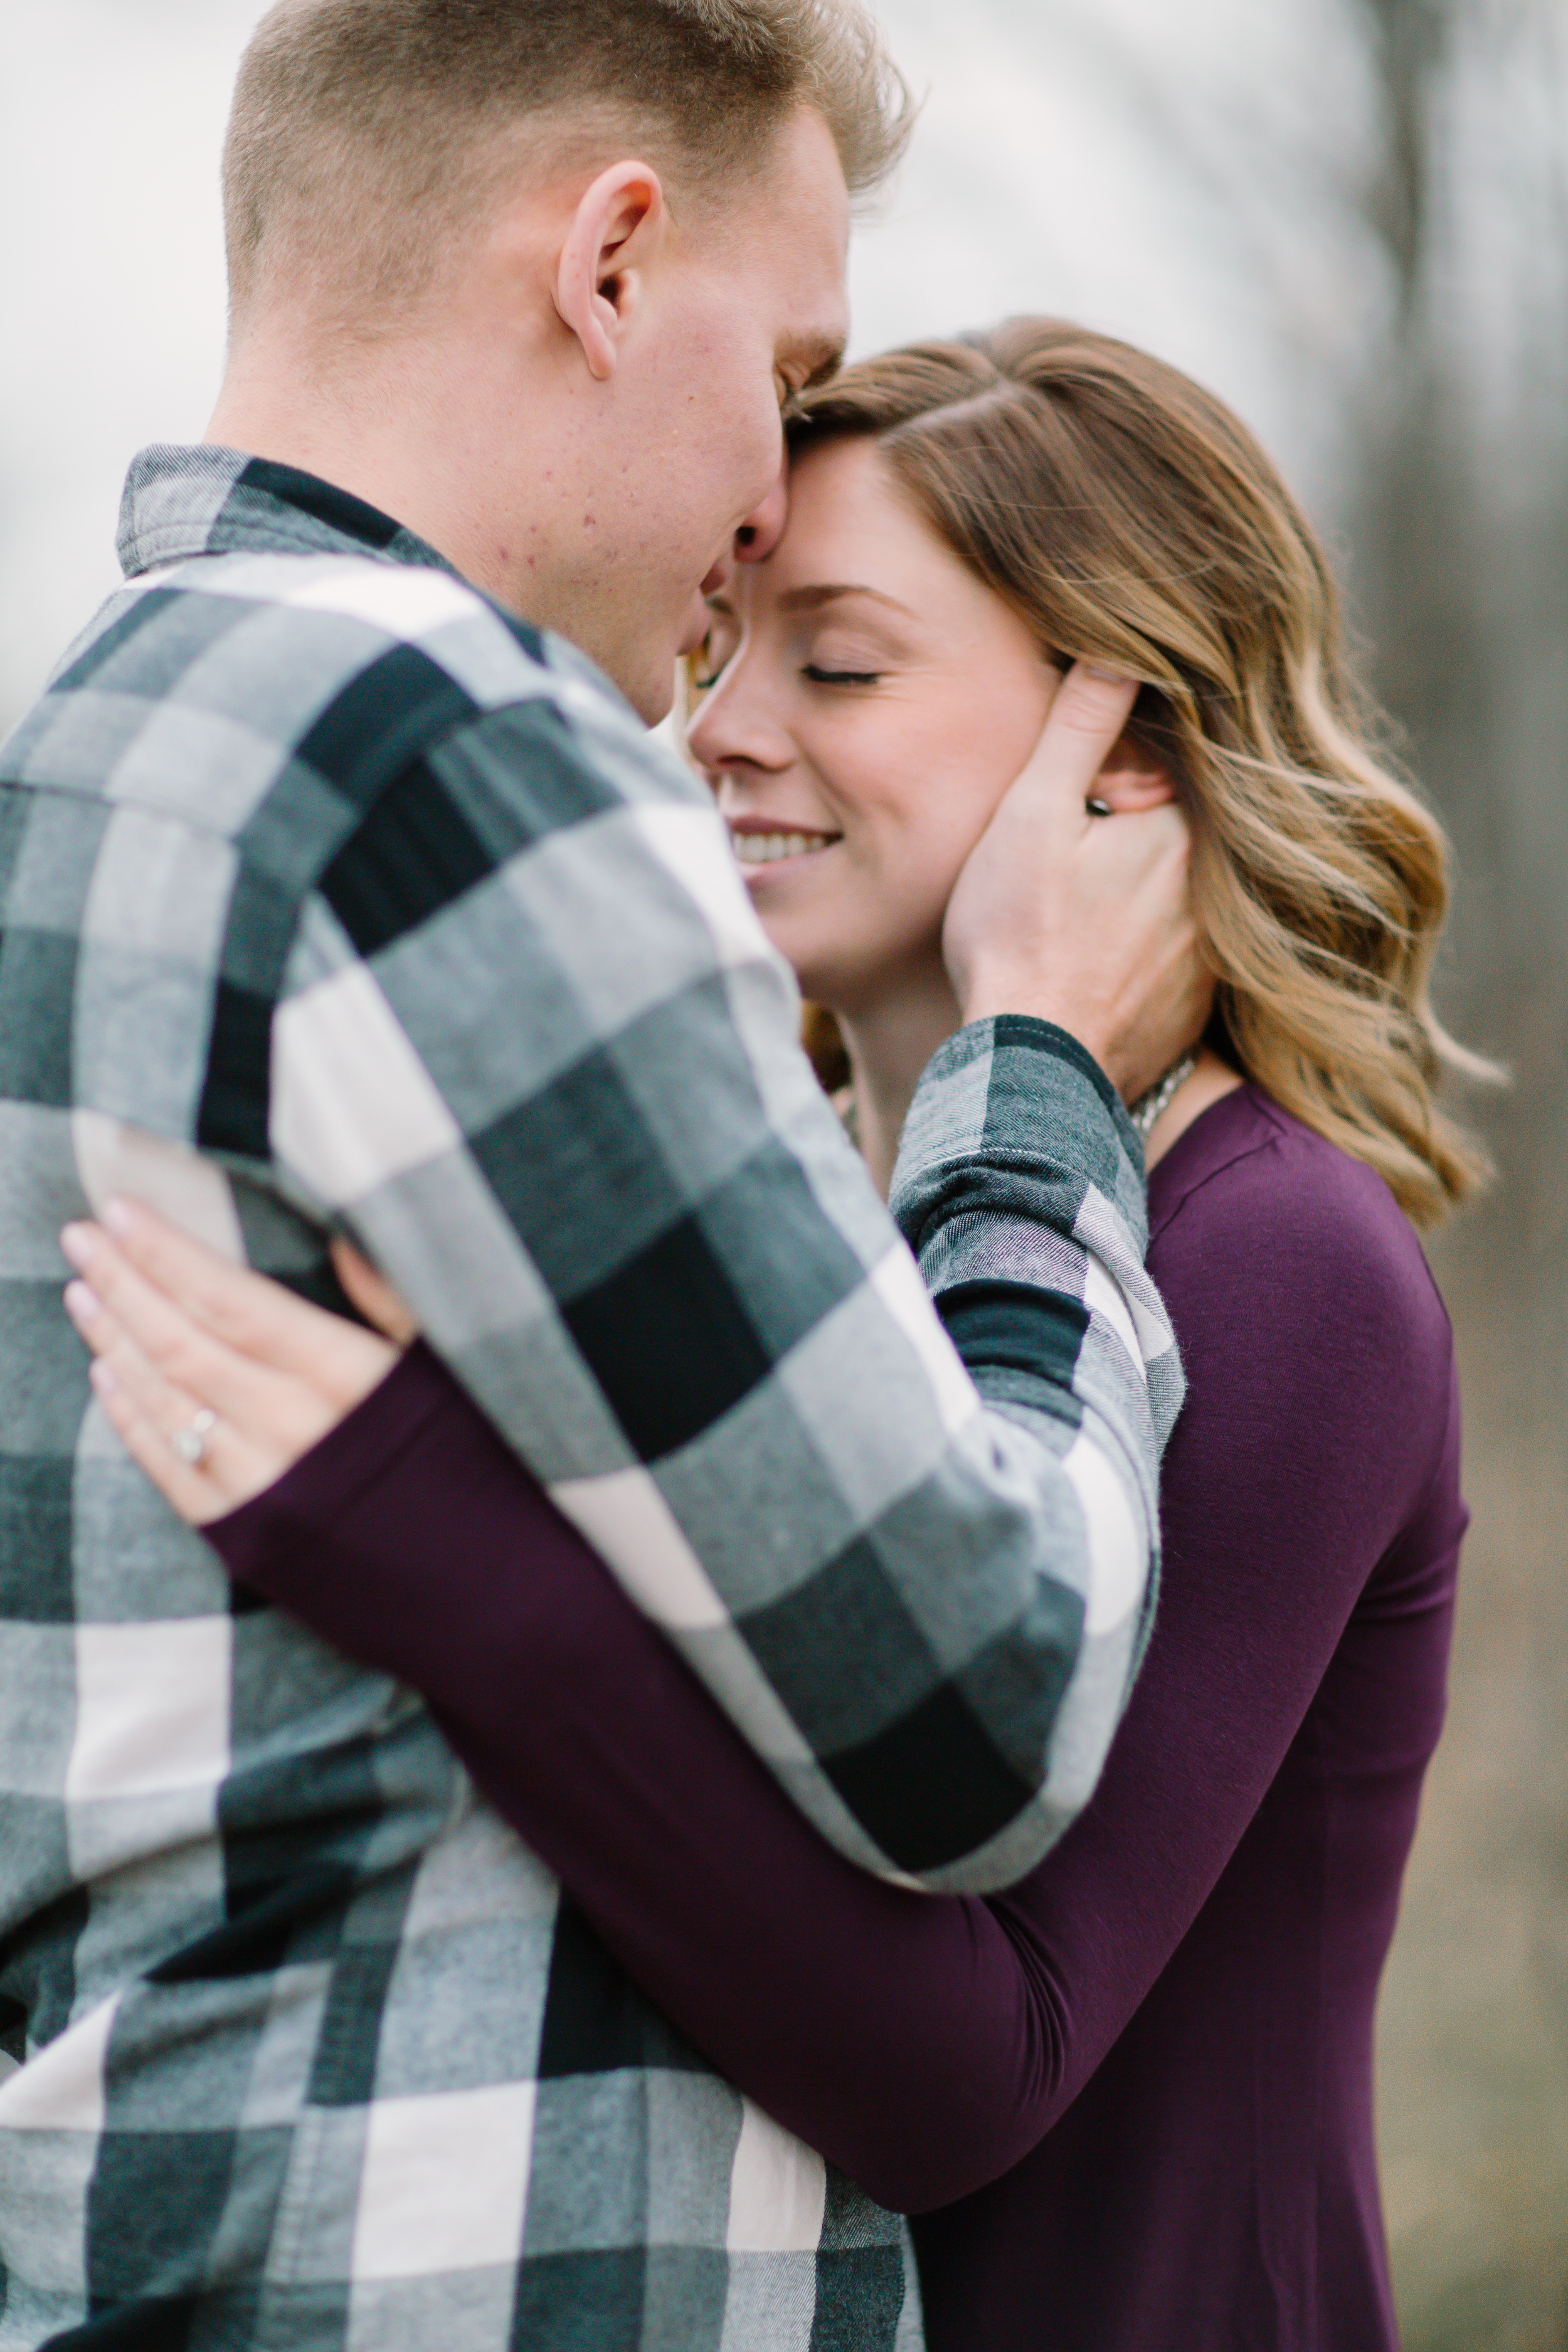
[(1351, 218), (1092, 163)]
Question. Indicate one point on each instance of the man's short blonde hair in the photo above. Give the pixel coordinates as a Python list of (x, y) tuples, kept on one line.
[(365, 134)]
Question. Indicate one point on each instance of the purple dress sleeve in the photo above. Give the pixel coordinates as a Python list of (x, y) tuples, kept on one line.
[(923, 2044)]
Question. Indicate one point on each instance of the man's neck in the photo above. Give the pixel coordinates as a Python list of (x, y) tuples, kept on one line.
[(356, 438), (483, 466), (889, 1044)]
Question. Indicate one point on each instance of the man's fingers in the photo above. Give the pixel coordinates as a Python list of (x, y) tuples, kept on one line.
[(1087, 716), (1159, 837), (1146, 851), (1077, 919), (1087, 719), (1091, 699)]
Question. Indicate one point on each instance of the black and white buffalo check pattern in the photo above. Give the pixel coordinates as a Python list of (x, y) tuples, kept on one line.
[(333, 896)]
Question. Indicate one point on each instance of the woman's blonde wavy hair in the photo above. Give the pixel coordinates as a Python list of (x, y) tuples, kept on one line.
[(1133, 522)]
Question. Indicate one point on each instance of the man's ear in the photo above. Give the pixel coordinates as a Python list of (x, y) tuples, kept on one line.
[(617, 227), (1133, 779)]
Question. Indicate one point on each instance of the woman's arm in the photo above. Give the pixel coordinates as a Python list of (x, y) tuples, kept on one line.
[(850, 2010), (923, 2044)]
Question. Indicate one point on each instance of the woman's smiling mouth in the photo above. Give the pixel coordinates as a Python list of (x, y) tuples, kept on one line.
[(760, 844)]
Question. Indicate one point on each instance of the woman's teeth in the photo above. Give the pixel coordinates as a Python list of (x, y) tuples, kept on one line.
[(765, 848)]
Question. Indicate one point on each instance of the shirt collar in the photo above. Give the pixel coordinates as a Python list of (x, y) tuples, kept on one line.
[(185, 502)]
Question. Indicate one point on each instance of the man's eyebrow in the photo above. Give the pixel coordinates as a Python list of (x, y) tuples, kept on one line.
[(828, 591)]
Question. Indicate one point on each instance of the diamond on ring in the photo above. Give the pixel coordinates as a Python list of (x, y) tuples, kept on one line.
[(191, 1443)]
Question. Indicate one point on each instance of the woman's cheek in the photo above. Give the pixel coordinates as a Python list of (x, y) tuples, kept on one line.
[(906, 906), (954, 815), (846, 935)]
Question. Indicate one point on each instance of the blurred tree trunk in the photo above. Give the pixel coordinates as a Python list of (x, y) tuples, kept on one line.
[(1416, 530), (1460, 581), (1459, 527)]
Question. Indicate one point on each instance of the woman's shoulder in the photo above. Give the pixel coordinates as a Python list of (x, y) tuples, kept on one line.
[(1250, 1199)]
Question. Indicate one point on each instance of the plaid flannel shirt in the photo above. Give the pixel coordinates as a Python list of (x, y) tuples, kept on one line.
[(336, 896)]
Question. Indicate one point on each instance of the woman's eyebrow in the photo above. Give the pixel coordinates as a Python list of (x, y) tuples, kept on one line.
[(828, 591)]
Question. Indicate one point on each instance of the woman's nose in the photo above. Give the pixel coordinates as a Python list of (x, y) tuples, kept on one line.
[(733, 730)]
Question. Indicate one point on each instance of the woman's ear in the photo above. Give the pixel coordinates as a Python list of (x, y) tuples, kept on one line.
[(1133, 779), (616, 230)]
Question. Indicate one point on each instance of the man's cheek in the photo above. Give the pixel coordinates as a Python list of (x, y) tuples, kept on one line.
[(756, 452), (694, 628)]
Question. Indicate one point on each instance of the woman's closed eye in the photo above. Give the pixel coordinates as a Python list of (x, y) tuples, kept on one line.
[(835, 656)]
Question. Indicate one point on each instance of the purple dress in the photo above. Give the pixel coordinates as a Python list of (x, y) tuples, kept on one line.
[(1129, 2102)]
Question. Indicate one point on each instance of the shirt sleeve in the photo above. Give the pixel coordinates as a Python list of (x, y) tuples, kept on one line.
[(533, 1050), (923, 2046)]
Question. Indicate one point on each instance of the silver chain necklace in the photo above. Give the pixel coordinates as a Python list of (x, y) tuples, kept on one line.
[(1147, 1107)]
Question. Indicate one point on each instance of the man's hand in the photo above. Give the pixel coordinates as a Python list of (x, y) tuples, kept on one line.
[(1083, 920)]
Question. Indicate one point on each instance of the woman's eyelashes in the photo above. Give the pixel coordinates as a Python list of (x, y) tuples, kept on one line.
[(709, 662), (835, 657), (821, 656)]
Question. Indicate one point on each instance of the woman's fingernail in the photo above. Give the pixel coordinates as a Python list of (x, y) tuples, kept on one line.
[(82, 1304), (117, 1216), (77, 1245), (102, 1378), (1106, 677)]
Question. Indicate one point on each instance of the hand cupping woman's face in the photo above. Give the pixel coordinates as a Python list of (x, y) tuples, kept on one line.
[(871, 702)]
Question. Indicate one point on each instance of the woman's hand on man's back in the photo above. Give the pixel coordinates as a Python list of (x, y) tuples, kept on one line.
[(216, 1379)]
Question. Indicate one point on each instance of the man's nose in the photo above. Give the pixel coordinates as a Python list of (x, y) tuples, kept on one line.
[(765, 526), (756, 537)]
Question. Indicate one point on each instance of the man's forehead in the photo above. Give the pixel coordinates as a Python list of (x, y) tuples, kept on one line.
[(796, 211)]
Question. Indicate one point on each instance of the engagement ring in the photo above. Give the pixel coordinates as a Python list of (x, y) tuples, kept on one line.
[(191, 1444)]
